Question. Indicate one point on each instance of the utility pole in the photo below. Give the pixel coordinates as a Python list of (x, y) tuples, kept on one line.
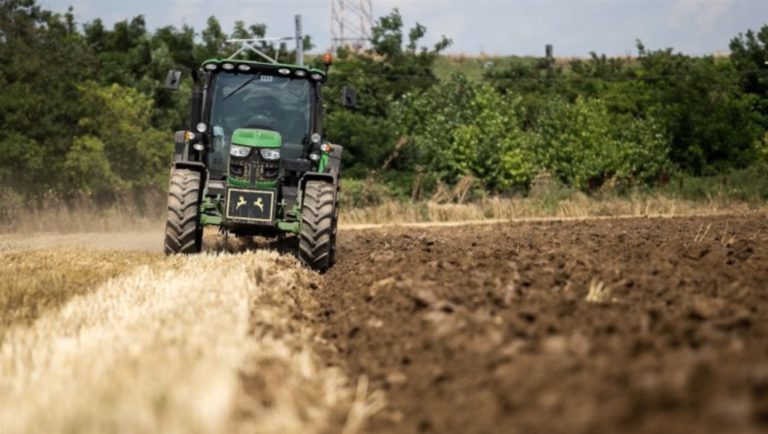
[(299, 42), (549, 52)]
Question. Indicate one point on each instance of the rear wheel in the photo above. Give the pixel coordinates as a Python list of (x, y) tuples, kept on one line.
[(183, 232), (317, 238)]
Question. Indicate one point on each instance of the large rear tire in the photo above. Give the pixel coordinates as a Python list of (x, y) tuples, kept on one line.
[(317, 238), (183, 232)]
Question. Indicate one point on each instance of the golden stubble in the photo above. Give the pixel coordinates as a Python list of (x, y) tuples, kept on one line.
[(208, 343), (32, 282), (504, 209)]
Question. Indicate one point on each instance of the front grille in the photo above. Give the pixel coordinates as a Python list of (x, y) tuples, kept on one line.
[(253, 168)]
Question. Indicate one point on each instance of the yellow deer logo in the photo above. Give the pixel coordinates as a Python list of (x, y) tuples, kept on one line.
[(260, 204), (240, 202)]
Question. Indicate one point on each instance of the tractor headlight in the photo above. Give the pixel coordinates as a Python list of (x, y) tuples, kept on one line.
[(270, 154), (239, 151)]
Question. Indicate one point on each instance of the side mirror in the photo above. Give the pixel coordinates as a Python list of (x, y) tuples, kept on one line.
[(349, 97), (173, 79)]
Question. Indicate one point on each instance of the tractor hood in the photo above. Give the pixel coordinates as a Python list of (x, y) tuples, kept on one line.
[(256, 138)]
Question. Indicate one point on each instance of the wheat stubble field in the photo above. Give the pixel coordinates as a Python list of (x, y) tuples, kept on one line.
[(611, 325)]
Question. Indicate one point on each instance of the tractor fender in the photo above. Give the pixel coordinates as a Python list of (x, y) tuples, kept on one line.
[(332, 171), (309, 176), (317, 176), (195, 166)]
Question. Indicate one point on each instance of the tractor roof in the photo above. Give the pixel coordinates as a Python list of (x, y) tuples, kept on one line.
[(250, 66)]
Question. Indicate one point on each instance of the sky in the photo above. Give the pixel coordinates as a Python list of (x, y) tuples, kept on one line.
[(495, 27)]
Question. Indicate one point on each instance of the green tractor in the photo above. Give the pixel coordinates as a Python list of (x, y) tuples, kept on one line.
[(254, 160)]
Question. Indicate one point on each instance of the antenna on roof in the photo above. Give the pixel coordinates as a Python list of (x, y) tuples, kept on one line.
[(250, 44)]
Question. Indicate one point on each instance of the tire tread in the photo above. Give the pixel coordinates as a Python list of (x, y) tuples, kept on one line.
[(316, 240), (182, 230)]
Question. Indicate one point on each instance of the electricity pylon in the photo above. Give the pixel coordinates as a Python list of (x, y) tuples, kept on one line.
[(351, 22)]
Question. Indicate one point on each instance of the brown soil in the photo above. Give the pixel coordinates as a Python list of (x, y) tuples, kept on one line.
[(645, 325)]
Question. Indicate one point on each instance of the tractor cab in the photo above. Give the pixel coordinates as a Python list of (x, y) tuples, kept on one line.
[(279, 105)]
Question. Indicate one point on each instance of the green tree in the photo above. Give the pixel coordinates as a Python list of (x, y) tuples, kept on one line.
[(381, 75), (42, 58), (749, 54), (461, 128), (117, 134), (88, 169), (712, 123), (583, 145)]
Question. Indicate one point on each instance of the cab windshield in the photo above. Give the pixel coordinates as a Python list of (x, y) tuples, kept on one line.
[(260, 101)]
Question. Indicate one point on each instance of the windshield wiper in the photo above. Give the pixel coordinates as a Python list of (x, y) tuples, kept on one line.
[(246, 83)]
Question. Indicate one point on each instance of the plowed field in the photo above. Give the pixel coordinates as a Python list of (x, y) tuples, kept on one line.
[(639, 325), (595, 326)]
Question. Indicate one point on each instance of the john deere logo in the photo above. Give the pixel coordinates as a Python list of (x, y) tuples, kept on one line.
[(259, 203)]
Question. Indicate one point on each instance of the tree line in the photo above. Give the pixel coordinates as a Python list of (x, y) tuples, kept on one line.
[(632, 121), (83, 111)]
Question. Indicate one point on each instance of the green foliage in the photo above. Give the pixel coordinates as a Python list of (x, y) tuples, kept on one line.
[(711, 120), (462, 128), (120, 117), (83, 110), (583, 145), (21, 161), (749, 54), (381, 76), (88, 168), (746, 185), (364, 193), (39, 105), (704, 105), (367, 139)]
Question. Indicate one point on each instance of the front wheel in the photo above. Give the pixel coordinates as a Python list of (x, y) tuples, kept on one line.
[(317, 238), (183, 232)]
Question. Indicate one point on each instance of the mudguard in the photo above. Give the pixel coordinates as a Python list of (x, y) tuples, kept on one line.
[(309, 176), (332, 171), (194, 166)]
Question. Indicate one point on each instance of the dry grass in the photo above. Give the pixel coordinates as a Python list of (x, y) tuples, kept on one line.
[(580, 206), (598, 292), (80, 215), (79, 220), (447, 204), (33, 282), (210, 343), (145, 240)]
